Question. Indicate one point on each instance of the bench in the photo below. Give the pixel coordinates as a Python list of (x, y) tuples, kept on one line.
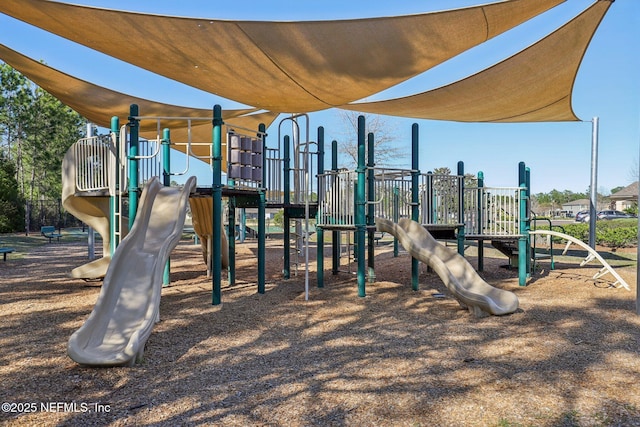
[(5, 251), (49, 231)]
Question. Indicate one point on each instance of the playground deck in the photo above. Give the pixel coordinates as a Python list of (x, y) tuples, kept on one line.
[(396, 357)]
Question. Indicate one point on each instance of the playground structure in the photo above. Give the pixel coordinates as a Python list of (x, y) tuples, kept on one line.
[(339, 201), (405, 203)]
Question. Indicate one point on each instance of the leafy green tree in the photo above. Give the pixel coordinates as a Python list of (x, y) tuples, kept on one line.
[(278, 218), (11, 205), (36, 130)]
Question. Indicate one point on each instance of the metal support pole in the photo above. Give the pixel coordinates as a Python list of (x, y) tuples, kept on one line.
[(527, 180), (479, 219), (231, 240), (523, 240), (335, 234), (216, 192), (133, 163), (415, 197), (461, 230), (319, 230), (360, 207), (262, 204), (638, 246), (593, 189), (371, 221), (320, 256), (286, 271), (166, 180), (114, 206)]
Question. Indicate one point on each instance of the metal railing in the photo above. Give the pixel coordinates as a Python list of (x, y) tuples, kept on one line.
[(94, 157), (441, 199), (444, 201), (491, 211), (336, 206), (439, 195)]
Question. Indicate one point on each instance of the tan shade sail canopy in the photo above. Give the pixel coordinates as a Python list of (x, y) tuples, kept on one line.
[(534, 85), (99, 105), (280, 66)]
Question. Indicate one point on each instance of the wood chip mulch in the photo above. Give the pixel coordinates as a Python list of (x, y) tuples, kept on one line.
[(570, 356)]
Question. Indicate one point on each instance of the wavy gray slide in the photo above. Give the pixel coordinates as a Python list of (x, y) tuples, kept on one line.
[(462, 280), (129, 302)]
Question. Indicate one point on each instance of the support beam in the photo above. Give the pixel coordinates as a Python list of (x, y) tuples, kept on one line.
[(461, 230), (286, 272), (166, 181), (593, 188), (522, 241), (480, 219), (216, 245), (415, 197), (335, 234), (371, 221), (360, 207), (134, 136), (319, 230)]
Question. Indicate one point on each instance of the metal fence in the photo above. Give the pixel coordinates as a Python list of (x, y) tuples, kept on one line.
[(48, 212)]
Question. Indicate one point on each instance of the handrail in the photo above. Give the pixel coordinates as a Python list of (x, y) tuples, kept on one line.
[(592, 255)]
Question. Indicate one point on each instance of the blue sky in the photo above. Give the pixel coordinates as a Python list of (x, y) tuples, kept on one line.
[(559, 154)]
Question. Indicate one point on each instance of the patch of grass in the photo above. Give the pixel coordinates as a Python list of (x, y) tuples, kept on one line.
[(22, 243)]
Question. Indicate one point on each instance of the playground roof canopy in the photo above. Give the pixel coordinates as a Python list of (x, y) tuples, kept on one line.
[(99, 105), (533, 85), (281, 66), (296, 67)]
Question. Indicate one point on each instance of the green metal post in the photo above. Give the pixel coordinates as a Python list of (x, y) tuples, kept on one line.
[(166, 180), (319, 230), (114, 207), (216, 192), (523, 240), (262, 203), (320, 256), (335, 234), (262, 216), (527, 181), (371, 221), (479, 219), (461, 230), (415, 197), (286, 271), (133, 162), (360, 207), (231, 240)]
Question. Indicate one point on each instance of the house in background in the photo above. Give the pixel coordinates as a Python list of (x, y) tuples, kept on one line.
[(625, 198), (575, 206)]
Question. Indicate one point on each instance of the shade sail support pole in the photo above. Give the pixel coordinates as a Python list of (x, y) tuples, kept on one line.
[(593, 189)]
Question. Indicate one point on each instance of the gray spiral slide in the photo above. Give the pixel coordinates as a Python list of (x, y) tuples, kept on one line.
[(462, 280), (128, 306), (93, 211)]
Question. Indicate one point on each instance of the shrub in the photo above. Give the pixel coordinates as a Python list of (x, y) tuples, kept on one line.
[(618, 233)]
